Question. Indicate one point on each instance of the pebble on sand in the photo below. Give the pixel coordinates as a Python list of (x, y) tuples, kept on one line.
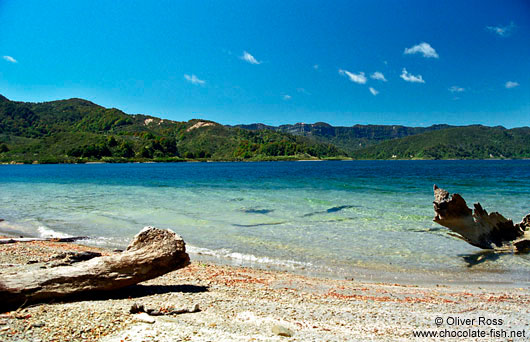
[(144, 318)]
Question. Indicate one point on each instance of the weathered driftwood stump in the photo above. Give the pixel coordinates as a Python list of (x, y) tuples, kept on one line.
[(152, 253), (477, 227)]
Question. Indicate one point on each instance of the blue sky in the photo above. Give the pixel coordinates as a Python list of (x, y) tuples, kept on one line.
[(343, 62)]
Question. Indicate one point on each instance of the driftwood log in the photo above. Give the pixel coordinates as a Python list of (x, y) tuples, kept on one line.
[(152, 253), (477, 227)]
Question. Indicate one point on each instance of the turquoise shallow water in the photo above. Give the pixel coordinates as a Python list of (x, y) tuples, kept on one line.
[(354, 219)]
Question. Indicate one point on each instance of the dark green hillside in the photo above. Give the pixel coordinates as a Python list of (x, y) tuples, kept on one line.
[(349, 139), (470, 142), (77, 130)]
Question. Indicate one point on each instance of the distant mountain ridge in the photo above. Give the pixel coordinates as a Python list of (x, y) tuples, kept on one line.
[(77, 130), (351, 138), (467, 142), (401, 142)]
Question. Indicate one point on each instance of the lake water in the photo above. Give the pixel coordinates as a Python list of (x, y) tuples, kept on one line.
[(366, 220)]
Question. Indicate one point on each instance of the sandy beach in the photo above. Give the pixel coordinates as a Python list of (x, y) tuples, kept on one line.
[(243, 304)]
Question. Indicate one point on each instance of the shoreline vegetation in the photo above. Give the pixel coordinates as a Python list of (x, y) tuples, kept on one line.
[(240, 304), (81, 162), (79, 131), (169, 160)]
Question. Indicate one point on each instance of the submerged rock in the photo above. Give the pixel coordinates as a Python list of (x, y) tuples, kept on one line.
[(281, 331)]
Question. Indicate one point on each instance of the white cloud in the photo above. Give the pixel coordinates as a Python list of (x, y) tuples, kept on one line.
[(373, 91), (503, 31), (10, 59), (456, 89), (378, 76), (411, 78), (357, 78), (424, 48), (194, 79), (247, 57), (511, 84), (303, 91), (286, 97)]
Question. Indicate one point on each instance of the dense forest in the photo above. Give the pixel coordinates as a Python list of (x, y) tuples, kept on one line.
[(350, 139), (401, 142), (469, 142), (77, 131)]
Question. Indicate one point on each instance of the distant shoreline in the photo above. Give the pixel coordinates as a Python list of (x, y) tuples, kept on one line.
[(249, 161)]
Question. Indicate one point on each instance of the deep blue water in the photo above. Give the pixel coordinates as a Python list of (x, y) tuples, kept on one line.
[(354, 219)]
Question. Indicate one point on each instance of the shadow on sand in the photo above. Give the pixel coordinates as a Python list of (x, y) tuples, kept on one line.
[(130, 292), (139, 291)]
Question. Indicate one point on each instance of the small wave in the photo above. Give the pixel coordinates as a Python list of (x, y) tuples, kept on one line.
[(102, 241), (11, 229), (245, 258), (46, 232)]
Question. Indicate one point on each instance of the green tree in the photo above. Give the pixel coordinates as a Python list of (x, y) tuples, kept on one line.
[(111, 141), (125, 150), (146, 152)]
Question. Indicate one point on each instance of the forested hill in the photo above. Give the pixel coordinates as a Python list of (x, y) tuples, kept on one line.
[(77, 130), (401, 142), (469, 142), (349, 139)]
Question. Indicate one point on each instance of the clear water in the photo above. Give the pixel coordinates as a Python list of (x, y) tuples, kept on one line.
[(355, 219)]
